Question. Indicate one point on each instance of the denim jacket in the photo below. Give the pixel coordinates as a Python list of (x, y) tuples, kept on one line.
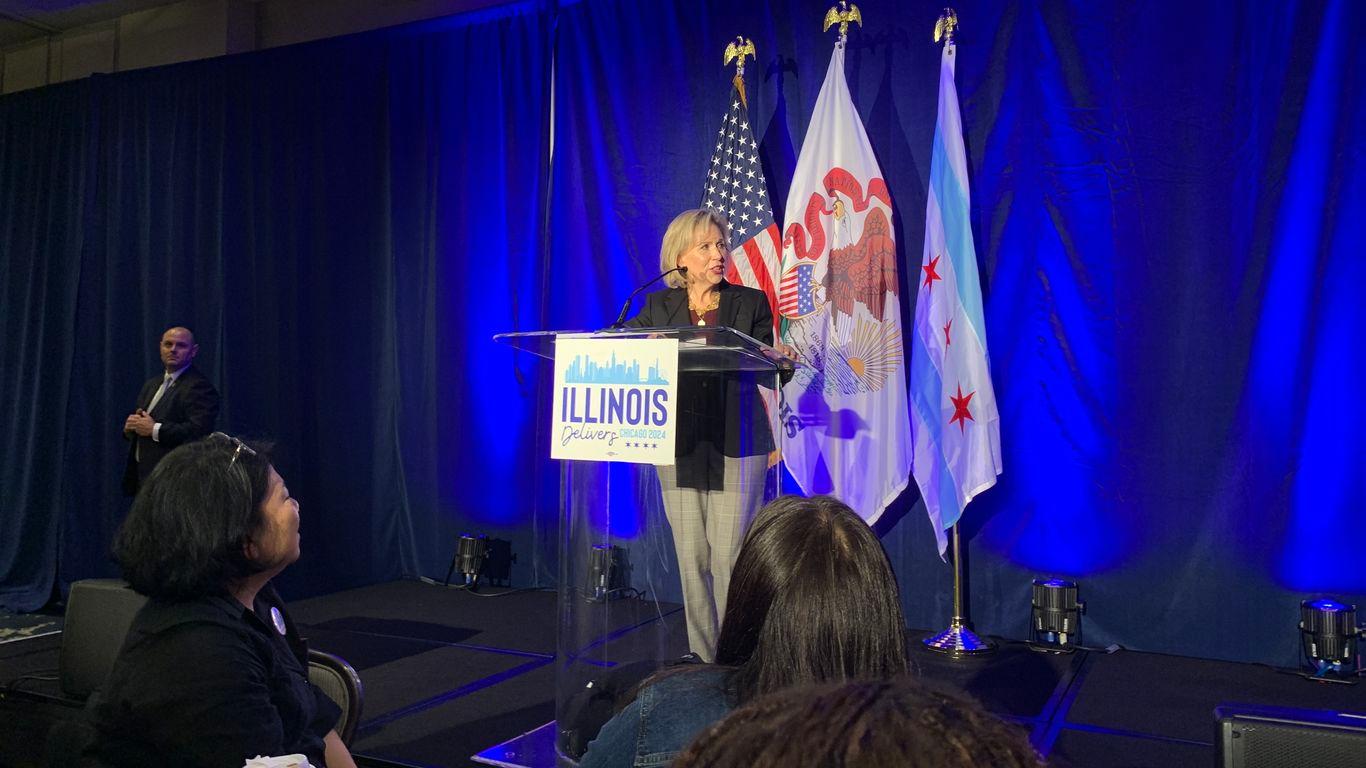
[(664, 718)]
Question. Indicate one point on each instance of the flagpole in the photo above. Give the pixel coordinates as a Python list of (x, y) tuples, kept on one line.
[(958, 640)]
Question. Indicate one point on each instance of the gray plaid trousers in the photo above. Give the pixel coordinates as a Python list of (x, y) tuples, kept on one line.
[(708, 528)]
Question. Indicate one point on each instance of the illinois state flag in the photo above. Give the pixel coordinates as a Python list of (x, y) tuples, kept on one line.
[(956, 428), (846, 428)]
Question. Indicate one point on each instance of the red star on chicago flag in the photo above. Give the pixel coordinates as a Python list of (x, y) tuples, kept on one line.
[(930, 274), (947, 326), (960, 409)]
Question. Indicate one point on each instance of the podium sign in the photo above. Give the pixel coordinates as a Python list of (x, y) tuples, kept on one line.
[(615, 400)]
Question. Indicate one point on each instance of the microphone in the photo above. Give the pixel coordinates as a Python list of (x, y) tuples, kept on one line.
[(621, 318)]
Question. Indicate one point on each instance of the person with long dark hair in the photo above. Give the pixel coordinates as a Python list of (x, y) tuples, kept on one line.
[(873, 724), (212, 672), (812, 600)]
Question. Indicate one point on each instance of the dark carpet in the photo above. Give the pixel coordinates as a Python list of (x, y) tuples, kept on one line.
[(1174, 696), (448, 673), (1084, 749), (27, 626), (1014, 681)]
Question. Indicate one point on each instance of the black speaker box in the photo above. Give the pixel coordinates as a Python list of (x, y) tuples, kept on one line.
[(1254, 736)]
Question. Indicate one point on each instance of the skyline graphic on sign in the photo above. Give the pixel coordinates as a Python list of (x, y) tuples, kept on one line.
[(585, 370)]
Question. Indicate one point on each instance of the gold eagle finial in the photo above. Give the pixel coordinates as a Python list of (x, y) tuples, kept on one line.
[(737, 51), (946, 26), (845, 13), (741, 48)]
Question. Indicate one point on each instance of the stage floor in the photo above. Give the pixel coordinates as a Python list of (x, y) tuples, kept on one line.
[(448, 674)]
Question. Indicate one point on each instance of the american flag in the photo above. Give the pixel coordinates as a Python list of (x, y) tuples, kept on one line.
[(735, 188)]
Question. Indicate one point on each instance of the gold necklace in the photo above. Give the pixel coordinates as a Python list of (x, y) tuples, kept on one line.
[(713, 303)]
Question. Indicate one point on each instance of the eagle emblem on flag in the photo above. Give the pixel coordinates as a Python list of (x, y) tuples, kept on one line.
[(845, 412), (861, 267)]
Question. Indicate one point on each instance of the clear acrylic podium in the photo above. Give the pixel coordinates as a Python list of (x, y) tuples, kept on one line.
[(620, 601)]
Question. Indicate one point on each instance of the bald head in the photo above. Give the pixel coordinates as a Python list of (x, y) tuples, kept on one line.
[(177, 348)]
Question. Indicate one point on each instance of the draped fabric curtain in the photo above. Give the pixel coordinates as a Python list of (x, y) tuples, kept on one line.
[(44, 178), (1169, 224), (344, 225)]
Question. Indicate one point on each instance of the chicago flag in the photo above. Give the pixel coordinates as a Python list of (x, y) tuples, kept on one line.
[(956, 428), (845, 423)]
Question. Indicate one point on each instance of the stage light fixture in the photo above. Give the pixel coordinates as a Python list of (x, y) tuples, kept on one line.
[(1328, 637), (470, 552), (607, 569), (1055, 615)]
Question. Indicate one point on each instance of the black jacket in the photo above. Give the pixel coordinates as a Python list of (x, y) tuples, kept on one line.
[(723, 412), (187, 412), (208, 683)]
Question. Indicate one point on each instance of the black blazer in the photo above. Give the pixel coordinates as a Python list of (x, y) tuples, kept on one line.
[(208, 682), (187, 412), (722, 411)]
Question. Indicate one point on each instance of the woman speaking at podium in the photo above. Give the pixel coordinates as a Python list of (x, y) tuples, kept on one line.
[(717, 482)]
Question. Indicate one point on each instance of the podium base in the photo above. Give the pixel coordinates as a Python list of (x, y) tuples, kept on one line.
[(533, 749)]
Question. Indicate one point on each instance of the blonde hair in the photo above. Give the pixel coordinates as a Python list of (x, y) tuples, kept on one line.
[(679, 238)]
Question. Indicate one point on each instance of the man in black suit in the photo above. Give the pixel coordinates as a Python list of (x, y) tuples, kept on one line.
[(172, 409)]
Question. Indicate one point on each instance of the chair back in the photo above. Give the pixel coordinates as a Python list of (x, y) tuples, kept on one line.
[(339, 681), (98, 615)]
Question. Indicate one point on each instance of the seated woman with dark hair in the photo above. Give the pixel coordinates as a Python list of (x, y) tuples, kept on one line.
[(812, 599), (882, 724), (212, 672)]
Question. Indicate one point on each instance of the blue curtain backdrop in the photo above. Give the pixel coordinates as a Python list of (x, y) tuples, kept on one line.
[(1169, 222), (344, 225)]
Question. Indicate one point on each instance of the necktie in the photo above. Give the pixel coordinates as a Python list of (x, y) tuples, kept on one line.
[(165, 383)]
